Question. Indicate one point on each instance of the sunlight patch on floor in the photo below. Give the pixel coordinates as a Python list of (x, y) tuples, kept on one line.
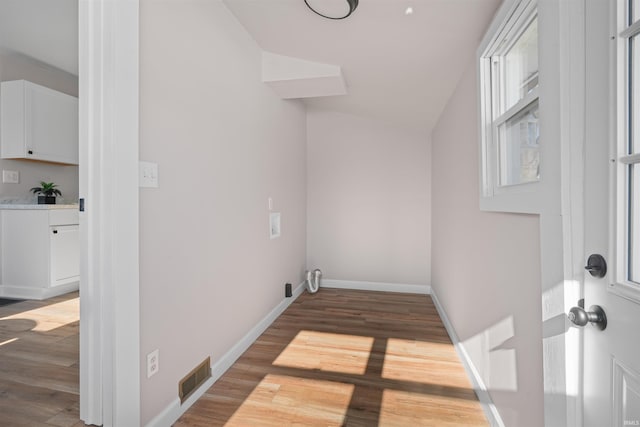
[(423, 362), (282, 400), (8, 341), (403, 408), (347, 354), (51, 316)]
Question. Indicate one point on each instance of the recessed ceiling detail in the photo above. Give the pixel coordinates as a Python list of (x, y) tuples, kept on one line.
[(293, 78)]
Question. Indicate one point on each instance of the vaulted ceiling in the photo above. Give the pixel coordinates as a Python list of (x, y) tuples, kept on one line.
[(398, 67)]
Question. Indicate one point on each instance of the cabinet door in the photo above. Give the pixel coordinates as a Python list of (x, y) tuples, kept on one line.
[(12, 120), (65, 254), (51, 125), (25, 248)]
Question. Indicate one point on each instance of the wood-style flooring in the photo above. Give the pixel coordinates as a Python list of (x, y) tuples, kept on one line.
[(39, 377), (345, 358)]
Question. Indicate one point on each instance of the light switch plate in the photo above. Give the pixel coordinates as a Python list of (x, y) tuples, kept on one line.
[(10, 177), (148, 177)]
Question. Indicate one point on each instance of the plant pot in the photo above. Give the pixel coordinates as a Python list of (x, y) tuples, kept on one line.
[(46, 200)]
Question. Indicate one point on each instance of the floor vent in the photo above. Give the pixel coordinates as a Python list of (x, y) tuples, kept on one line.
[(194, 379)]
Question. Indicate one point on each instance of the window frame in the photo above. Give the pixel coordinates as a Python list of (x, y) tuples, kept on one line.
[(507, 28), (623, 158)]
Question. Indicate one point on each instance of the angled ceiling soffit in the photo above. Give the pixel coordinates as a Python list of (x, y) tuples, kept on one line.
[(295, 78)]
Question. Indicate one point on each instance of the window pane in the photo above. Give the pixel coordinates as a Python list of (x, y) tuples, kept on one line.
[(634, 8), (634, 223), (519, 148), (521, 66)]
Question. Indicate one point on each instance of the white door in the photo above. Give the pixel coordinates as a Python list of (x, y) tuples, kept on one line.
[(611, 357)]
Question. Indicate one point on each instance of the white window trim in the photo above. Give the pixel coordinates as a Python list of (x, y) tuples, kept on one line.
[(621, 285), (525, 197)]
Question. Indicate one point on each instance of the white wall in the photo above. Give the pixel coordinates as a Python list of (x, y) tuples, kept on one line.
[(224, 144), (486, 267), (17, 67), (368, 201)]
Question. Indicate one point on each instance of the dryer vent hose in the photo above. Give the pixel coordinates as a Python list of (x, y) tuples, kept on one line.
[(313, 280)]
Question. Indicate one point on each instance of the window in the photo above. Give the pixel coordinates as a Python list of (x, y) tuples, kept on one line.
[(628, 173), (509, 106)]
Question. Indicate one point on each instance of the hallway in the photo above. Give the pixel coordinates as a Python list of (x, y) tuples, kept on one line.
[(345, 357)]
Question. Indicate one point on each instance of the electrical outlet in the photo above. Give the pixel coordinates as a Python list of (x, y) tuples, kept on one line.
[(10, 177), (153, 363)]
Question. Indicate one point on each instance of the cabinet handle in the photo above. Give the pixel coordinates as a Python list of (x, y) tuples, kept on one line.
[(55, 231), (30, 151)]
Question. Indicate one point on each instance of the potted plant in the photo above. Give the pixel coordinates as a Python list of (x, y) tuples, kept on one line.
[(47, 193)]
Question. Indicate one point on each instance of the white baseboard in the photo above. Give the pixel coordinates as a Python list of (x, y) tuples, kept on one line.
[(175, 410), (376, 286), (35, 293), (490, 410)]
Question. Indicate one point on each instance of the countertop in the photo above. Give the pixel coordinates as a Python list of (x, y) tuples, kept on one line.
[(15, 206)]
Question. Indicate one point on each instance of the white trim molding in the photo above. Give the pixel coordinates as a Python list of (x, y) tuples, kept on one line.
[(175, 410), (108, 184), (489, 408), (376, 286), (511, 20)]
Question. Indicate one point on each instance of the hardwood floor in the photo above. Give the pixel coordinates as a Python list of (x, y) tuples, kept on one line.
[(39, 355), (341, 357), (335, 358)]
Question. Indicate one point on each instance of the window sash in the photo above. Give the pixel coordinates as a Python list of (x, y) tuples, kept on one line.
[(517, 108), (497, 57), (498, 82), (628, 203)]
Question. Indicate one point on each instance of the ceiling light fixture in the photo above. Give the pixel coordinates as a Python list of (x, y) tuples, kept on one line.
[(353, 4), (408, 11)]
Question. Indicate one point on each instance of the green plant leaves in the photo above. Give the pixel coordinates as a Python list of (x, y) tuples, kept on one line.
[(47, 189)]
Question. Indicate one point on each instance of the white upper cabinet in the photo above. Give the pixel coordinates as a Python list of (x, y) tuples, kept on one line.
[(38, 123)]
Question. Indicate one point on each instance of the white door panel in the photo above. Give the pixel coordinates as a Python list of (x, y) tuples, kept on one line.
[(611, 383), (626, 395)]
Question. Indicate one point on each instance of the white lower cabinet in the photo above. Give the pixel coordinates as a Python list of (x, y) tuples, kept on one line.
[(65, 254), (40, 253)]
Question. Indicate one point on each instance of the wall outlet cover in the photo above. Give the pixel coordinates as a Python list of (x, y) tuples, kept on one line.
[(153, 363)]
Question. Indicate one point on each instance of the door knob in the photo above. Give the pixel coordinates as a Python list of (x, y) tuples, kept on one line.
[(580, 317)]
